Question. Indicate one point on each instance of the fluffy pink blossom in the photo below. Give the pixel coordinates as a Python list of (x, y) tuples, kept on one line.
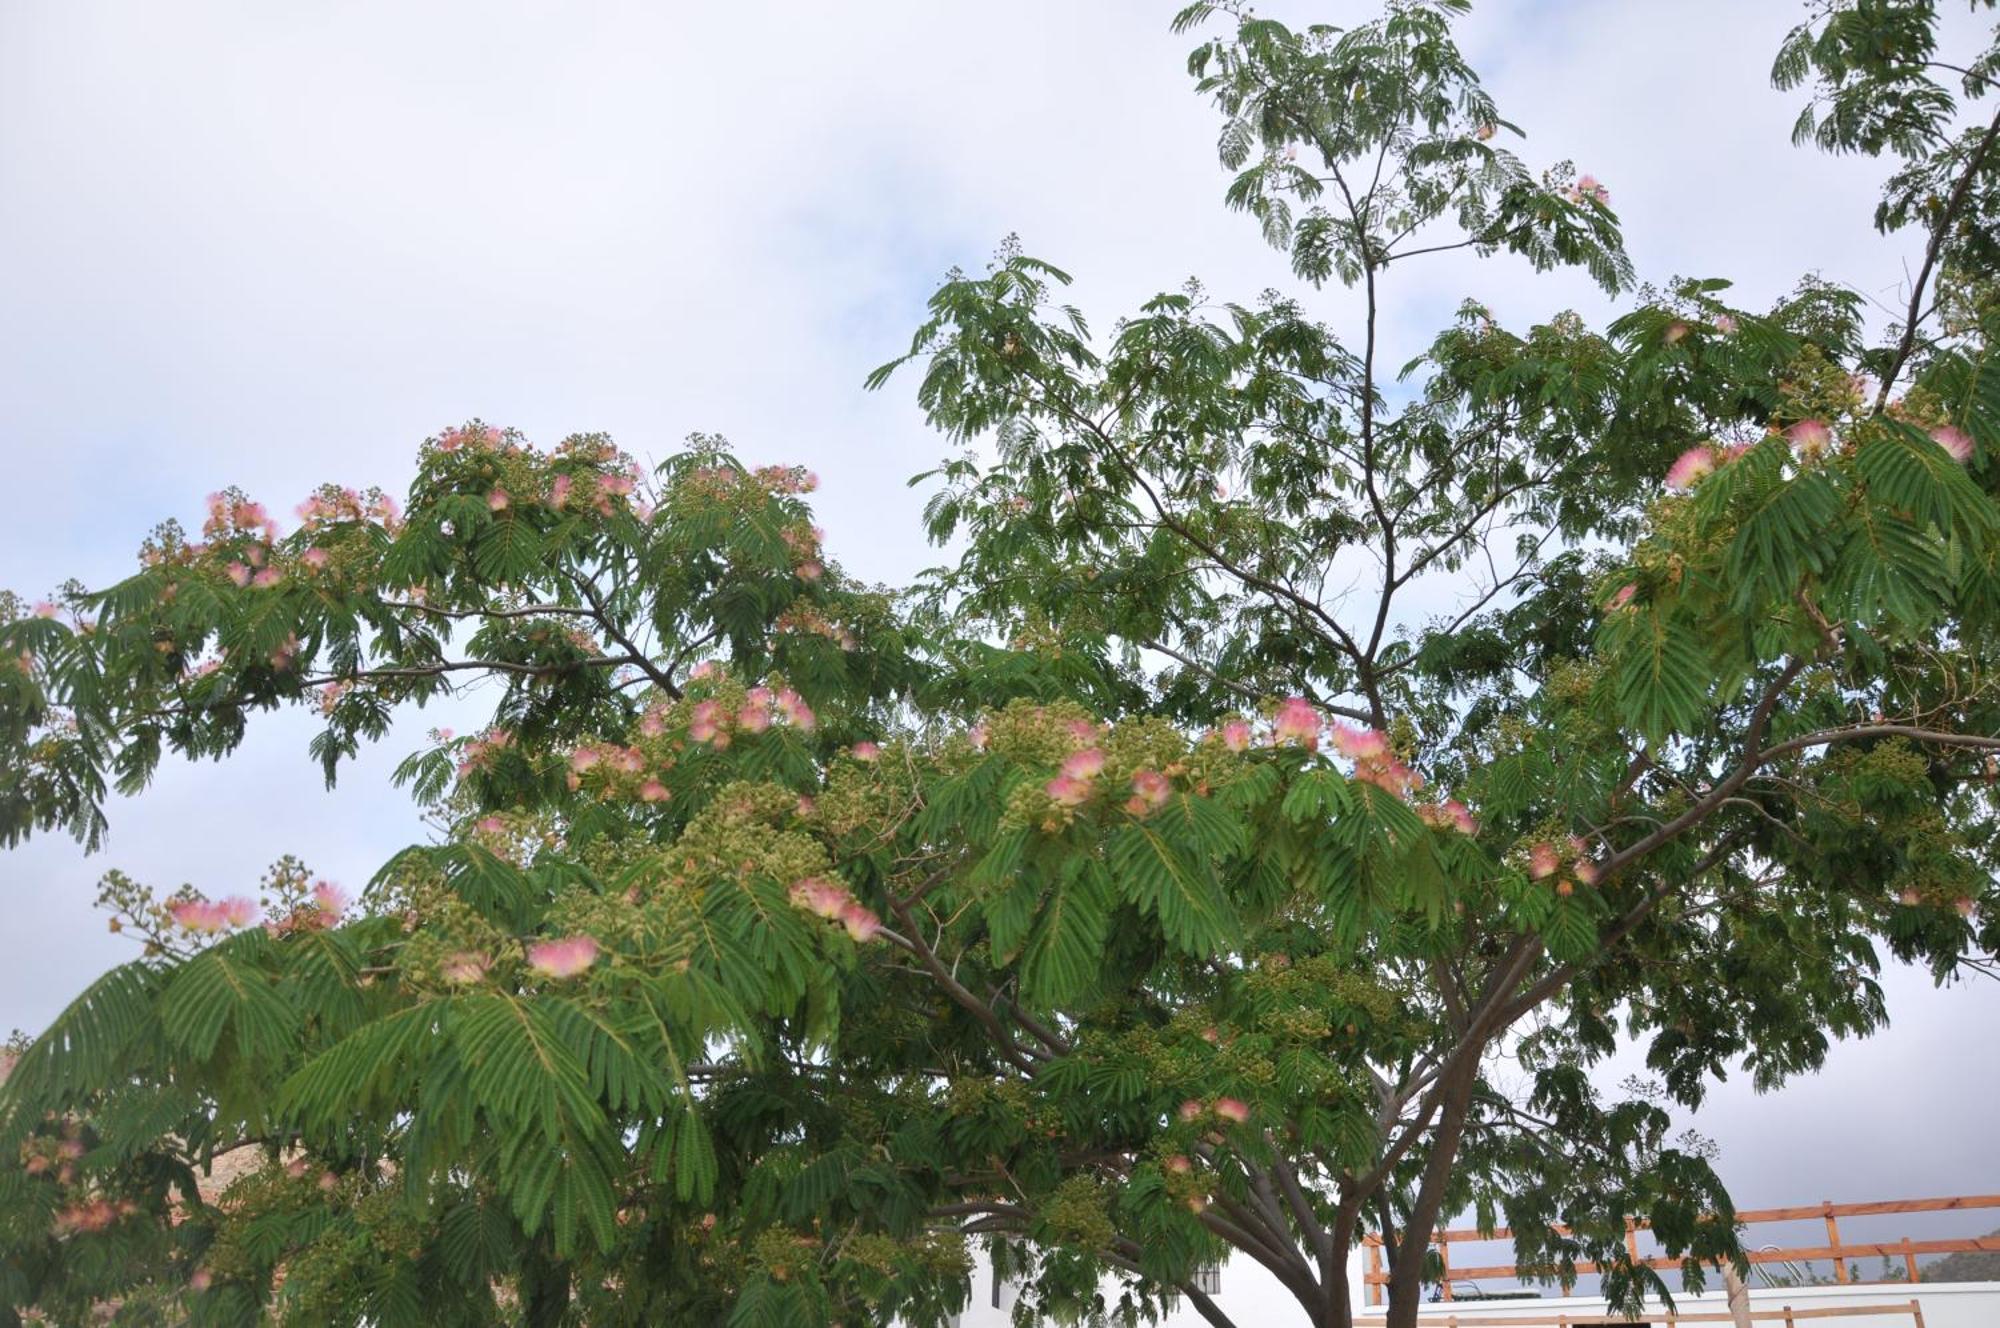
[(1085, 764), (1068, 791), (860, 921), (1955, 441), (465, 966), (330, 898), (1178, 1164), (559, 489), (653, 791), (1298, 722), (583, 758), (1236, 735), (1461, 817), (810, 570), (1588, 190), (978, 736), (1359, 743), (200, 1280), (314, 558), (1810, 437), (1485, 132), (1191, 1110), (491, 825), (705, 722), (1677, 331), (1622, 597), (753, 718), (1150, 791), (652, 724), (1543, 861), (564, 958), (237, 573), (705, 669), (820, 897), (238, 911), (865, 751), (795, 711), (1083, 731), (46, 609), (1691, 466), (1725, 324), (197, 915), (1232, 1109), (266, 578), (629, 760), (497, 500)]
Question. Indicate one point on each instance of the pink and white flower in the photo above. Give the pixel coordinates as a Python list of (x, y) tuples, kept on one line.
[(1236, 735), (563, 958), (1084, 765), (1150, 791), (1955, 441), (1296, 722), (1690, 467)]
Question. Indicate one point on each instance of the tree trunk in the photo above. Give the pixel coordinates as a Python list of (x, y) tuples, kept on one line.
[(1406, 1275)]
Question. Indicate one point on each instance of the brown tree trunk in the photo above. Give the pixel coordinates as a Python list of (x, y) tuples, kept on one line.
[(1406, 1275)]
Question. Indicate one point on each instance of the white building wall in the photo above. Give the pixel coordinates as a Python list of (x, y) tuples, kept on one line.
[(1254, 1299)]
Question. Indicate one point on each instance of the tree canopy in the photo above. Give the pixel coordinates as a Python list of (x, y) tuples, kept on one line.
[(1286, 739)]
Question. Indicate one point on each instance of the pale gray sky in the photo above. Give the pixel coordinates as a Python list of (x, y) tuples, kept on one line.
[(279, 244)]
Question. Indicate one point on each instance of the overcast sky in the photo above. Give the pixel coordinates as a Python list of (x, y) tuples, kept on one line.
[(273, 245)]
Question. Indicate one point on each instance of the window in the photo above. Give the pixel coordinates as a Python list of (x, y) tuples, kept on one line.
[(1207, 1279)]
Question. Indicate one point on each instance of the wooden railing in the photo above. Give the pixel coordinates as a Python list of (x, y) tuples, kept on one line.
[(1785, 1315), (1835, 1249)]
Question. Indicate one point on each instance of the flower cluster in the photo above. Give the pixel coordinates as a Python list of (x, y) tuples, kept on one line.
[(1375, 762), (206, 917), (563, 958), (1587, 189), (786, 479), (806, 620), (829, 899), (479, 752), (1230, 1109), (1568, 864)]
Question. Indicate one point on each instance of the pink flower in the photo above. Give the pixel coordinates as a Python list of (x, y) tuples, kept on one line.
[(795, 711), (753, 718), (1587, 189), (200, 1280), (860, 921), (978, 736), (1083, 765), (1725, 324), (238, 911), (559, 490), (1230, 1109), (1150, 791), (464, 967), (491, 825), (1586, 871), (1810, 437), (1955, 441), (1068, 791), (44, 609), (1359, 743), (652, 724), (564, 958), (808, 482), (653, 791), (705, 669), (1543, 861), (705, 722), (1622, 596), (1083, 731), (197, 915), (820, 897), (629, 760), (1178, 1164), (810, 570), (237, 573), (497, 500), (1191, 1110), (1690, 466), (865, 751), (1236, 735), (266, 578), (314, 558), (330, 898), (583, 758), (1485, 132), (1677, 331), (1461, 817), (1297, 721)]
